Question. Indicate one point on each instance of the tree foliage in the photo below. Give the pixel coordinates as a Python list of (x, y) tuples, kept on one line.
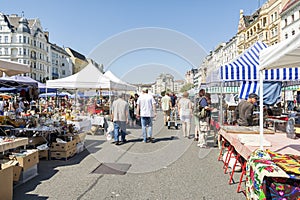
[(187, 87)]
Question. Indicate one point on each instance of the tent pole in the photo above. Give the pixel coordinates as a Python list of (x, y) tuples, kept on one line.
[(261, 109), (221, 105)]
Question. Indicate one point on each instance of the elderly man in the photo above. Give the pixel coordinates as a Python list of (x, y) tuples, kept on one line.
[(244, 111), (119, 116)]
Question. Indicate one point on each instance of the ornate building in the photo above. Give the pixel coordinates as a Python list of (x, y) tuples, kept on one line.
[(263, 25), (24, 41)]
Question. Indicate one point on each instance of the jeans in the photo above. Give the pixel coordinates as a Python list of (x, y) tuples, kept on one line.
[(118, 131), (146, 121)]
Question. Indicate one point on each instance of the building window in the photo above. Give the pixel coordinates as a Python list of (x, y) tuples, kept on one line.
[(63, 72), (293, 18), (34, 43), (275, 15), (20, 39), (264, 22), (20, 51), (6, 39), (24, 39), (5, 51), (293, 32), (272, 18), (285, 22), (286, 36), (24, 52)]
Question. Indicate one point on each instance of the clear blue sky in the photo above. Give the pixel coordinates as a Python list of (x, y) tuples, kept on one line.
[(82, 25)]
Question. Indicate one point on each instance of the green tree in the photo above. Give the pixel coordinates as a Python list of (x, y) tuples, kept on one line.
[(186, 87)]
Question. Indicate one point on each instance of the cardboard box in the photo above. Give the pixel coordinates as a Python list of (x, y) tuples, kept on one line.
[(6, 183), (80, 137), (63, 146), (27, 158), (79, 147), (63, 154), (16, 168), (44, 154), (28, 174)]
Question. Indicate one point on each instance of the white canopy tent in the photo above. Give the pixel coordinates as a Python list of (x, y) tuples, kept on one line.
[(126, 86), (88, 78), (12, 68), (285, 54)]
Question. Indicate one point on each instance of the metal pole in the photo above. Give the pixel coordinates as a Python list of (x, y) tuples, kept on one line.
[(261, 109)]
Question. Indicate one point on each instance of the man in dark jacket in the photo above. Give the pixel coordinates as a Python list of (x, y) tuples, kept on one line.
[(244, 111)]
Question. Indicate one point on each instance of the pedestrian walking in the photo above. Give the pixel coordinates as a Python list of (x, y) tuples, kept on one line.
[(131, 104), (197, 99), (185, 113), (203, 121), (119, 116), (146, 110), (166, 105)]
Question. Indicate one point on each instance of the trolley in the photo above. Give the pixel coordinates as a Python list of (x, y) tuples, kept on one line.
[(173, 118)]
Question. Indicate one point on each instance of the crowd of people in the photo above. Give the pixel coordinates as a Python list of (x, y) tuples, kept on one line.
[(141, 110)]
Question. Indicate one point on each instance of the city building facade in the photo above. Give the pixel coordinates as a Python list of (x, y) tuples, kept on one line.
[(79, 61), (61, 64), (290, 19), (24, 41)]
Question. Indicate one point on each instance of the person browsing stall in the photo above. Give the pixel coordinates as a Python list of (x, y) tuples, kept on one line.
[(244, 111)]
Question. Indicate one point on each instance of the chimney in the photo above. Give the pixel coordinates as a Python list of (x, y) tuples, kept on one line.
[(46, 33)]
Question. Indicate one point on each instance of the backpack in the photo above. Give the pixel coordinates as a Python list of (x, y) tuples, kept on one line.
[(200, 111)]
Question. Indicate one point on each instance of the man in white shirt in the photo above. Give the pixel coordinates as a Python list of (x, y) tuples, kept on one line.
[(166, 105), (146, 109)]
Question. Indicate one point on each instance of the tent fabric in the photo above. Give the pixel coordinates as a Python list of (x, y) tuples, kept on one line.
[(17, 81), (126, 86), (246, 67), (12, 68), (284, 54), (272, 91), (88, 78)]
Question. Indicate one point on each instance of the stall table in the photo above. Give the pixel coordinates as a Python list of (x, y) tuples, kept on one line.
[(14, 143), (230, 135)]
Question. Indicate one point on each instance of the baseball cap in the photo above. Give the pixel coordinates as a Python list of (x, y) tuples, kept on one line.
[(253, 95)]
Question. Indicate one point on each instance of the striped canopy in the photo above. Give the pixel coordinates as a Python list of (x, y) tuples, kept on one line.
[(245, 68)]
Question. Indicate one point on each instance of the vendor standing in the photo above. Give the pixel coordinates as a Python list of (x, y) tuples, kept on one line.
[(244, 111)]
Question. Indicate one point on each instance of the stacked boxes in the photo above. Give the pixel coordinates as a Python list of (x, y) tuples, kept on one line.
[(27, 160), (63, 150)]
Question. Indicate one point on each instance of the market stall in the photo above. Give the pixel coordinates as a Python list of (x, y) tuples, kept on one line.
[(240, 142)]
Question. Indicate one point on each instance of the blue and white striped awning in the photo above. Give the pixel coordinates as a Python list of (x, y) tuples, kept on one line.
[(245, 68)]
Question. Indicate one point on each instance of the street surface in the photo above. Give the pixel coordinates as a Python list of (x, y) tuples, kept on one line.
[(171, 168)]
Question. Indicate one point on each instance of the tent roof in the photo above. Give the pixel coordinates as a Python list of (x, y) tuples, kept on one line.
[(18, 81), (281, 55), (88, 77), (114, 78), (12, 68)]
